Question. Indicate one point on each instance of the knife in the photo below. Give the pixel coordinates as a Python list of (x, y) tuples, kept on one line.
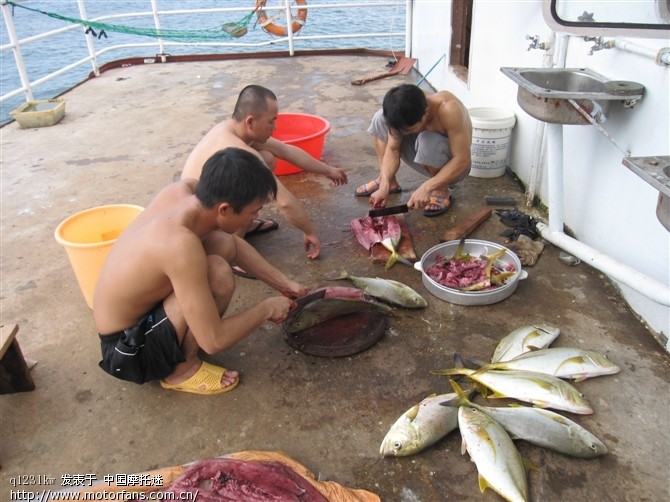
[(386, 211), (305, 300)]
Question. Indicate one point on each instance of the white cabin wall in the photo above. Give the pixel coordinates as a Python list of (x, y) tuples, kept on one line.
[(606, 205)]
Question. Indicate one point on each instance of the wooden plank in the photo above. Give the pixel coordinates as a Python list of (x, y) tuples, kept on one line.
[(14, 371), (7, 334), (466, 227)]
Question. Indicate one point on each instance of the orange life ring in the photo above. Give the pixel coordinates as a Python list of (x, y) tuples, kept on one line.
[(276, 29)]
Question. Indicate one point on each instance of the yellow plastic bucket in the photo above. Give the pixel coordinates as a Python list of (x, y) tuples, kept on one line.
[(88, 236)]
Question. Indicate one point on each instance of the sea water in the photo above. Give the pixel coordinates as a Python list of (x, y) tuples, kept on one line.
[(47, 56)]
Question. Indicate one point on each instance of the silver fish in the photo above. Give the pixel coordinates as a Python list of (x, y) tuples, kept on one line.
[(323, 309), (498, 461), (387, 290), (543, 390), (541, 427), (421, 426), (561, 362), (524, 339)]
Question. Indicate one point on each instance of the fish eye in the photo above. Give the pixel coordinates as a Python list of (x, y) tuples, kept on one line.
[(593, 446), (397, 446)]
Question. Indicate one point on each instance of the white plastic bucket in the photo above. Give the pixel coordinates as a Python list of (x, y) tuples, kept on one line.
[(491, 133)]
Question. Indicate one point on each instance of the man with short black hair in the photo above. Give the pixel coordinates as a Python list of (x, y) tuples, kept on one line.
[(432, 133), (165, 285), (250, 128)]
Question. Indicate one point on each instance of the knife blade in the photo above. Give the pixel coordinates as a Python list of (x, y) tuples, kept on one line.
[(305, 300), (386, 211)]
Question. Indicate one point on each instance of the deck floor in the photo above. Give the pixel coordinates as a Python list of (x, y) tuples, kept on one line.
[(126, 135)]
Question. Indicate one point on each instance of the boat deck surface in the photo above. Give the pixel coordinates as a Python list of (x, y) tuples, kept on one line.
[(125, 136)]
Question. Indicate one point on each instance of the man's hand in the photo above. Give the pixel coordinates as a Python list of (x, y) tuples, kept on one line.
[(419, 198), (338, 177), (312, 245), (378, 198), (278, 308)]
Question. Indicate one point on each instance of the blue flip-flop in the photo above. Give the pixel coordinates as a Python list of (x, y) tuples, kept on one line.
[(438, 199), (367, 193)]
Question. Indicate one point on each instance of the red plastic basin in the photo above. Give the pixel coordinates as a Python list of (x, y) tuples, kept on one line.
[(302, 130)]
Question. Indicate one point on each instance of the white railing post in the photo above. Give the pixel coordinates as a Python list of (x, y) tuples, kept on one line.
[(89, 42), (289, 27), (157, 23), (18, 57)]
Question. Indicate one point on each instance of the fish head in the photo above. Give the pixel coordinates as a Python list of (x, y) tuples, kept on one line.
[(415, 300), (401, 440)]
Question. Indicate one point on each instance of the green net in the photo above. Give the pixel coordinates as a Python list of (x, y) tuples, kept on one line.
[(224, 31)]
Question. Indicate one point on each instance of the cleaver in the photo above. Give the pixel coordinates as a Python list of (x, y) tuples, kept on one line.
[(386, 211)]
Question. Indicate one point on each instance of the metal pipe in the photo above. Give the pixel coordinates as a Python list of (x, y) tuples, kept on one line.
[(661, 56), (409, 13), (157, 24), (643, 284), (553, 232)]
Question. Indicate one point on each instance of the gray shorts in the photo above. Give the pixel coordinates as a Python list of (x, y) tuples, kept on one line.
[(428, 148)]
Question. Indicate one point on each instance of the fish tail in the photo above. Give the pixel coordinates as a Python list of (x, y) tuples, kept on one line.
[(343, 275), (453, 371), (391, 261)]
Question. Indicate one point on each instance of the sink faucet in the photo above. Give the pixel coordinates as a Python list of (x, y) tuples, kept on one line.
[(599, 45), (536, 44)]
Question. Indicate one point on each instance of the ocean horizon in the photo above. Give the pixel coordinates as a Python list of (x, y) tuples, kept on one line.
[(47, 56)]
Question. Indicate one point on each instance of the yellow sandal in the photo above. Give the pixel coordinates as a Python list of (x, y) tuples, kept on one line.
[(208, 376)]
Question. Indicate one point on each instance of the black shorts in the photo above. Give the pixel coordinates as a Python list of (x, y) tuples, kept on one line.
[(147, 351)]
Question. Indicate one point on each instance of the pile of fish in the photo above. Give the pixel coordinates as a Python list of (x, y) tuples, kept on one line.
[(384, 230), (524, 368), (465, 272)]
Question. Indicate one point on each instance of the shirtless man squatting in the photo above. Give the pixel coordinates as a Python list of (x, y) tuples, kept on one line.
[(161, 293), (432, 133), (250, 128)]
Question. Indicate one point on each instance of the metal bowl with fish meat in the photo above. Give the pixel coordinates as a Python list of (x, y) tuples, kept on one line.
[(505, 269)]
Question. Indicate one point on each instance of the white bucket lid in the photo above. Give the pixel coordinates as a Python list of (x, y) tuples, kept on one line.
[(492, 118)]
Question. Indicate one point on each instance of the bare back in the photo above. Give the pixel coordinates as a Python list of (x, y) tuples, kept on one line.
[(135, 276), (219, 137), (448, 114)]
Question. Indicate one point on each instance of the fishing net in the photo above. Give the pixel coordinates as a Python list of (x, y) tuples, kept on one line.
[(224, 31)]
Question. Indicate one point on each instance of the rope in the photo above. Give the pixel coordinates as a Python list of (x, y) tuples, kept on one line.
[(227, 30)]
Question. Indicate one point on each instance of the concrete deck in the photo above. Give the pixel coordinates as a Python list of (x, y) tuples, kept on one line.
[(124, 137)]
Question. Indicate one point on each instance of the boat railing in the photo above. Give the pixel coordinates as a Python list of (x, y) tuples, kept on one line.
[(161, 43)]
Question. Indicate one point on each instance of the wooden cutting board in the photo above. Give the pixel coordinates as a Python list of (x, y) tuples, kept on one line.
[(405, 247)]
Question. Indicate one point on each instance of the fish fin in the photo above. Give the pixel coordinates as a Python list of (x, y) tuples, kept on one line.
[(343, 275), (483, 484), (453, 371), (579, 378), (462, 397), (464, 446), (483, 390), (413, 412), (476, 361), (529, 465)]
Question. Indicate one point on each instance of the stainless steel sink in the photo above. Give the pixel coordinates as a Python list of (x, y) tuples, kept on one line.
[(655, 171), (567, 95)]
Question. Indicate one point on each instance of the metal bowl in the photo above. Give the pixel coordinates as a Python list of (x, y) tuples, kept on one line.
[(474, 247)]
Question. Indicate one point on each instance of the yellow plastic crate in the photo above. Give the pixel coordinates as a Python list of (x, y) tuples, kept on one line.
[(39, 113)]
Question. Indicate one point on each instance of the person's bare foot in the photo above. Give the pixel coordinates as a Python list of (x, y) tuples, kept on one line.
[(371, 187)]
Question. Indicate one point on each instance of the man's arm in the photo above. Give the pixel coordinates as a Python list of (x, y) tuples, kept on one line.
[(187, 269), (388, 169), (293, 211), (251, 260), (298, 157)]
